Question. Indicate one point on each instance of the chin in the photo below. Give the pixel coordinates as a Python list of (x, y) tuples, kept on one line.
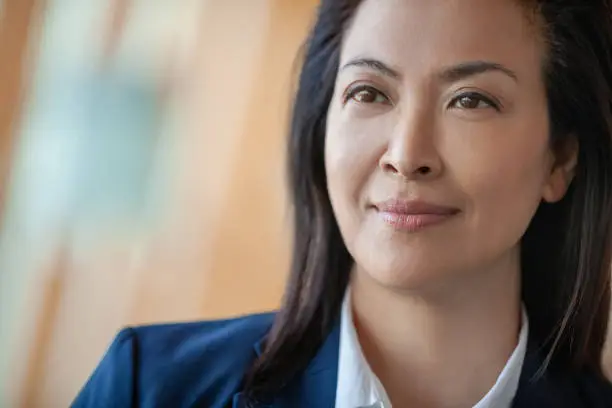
[(404, 261), (409, 275)]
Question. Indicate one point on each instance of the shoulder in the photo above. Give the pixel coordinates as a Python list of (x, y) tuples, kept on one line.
[(210, 340), (196, 362), (198, 354)]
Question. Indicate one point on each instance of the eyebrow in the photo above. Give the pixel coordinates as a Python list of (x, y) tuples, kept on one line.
[(373, 64), (471, 68), (451, 74)]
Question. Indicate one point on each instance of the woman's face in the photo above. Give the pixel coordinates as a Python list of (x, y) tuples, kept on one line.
[(437, 148)]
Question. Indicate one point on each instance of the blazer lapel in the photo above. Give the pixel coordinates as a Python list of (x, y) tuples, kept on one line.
[(315, 386)]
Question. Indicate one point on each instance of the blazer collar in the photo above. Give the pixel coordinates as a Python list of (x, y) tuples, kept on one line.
[(316, 385)]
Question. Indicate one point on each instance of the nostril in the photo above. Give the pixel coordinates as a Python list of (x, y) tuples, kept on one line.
[(389, 168), (424, 170)]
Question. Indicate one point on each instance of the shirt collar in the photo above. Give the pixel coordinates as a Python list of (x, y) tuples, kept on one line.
[(358, 386)]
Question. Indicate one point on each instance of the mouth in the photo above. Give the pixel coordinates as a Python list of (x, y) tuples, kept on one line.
[(413, 216)]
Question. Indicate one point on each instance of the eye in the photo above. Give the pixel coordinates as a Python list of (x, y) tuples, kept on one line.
[(366, 94), (473, 101)]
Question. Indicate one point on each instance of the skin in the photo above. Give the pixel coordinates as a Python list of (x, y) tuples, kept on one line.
[(408, 124)]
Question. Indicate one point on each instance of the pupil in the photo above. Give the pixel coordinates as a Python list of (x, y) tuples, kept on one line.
[(366, 96), (469, 102)]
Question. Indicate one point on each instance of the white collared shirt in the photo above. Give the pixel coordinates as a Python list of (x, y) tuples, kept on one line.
[(358, 386)]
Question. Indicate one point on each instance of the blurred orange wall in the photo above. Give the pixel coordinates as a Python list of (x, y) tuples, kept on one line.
[(16, 20), (221, 247)]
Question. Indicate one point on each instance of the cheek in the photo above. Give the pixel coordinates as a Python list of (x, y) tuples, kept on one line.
[(503, 177), (354, 144), (352, 151)]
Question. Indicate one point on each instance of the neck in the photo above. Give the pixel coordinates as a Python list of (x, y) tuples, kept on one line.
[(442, 349)]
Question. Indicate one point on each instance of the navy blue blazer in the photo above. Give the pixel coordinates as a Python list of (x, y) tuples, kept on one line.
[(202, 365)]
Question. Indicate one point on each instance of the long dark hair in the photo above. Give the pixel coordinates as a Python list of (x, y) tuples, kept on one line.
[(566, 251)]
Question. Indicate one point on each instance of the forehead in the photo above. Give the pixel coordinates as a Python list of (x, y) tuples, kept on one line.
[(414, 34)]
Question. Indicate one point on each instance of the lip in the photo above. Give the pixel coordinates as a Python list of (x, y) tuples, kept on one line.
[(413, 215)]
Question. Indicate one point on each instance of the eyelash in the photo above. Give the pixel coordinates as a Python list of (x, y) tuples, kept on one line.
[(477, 96), (353, 91)]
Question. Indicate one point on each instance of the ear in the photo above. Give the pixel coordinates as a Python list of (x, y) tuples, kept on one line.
[(562, 171)]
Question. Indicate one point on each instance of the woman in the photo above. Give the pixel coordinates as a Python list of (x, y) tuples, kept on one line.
[(451, 171)]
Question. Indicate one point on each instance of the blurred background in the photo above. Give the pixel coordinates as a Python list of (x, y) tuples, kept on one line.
[(141, 173)]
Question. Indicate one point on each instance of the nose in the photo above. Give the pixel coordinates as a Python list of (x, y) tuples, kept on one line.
[(412, 152)]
